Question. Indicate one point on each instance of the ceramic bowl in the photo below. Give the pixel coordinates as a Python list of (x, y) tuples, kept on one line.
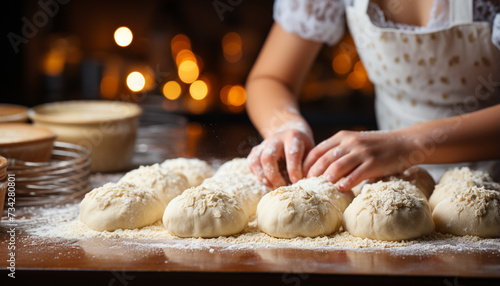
[(26, 142), (107, 128), (13, 113)]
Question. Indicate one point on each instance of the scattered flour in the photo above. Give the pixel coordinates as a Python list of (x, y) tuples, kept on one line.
[(62, 222)]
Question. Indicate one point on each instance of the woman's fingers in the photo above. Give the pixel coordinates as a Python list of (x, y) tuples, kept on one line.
[(354, 178), (284, 148), (342, 167), (317, 152), (271, 153), (255, 165), (295, 150), (328, 158)]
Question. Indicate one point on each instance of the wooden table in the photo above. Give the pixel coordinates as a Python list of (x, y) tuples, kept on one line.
[(108, 261), (120, 261)]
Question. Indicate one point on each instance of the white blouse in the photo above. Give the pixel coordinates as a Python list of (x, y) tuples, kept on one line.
[(323, 20)]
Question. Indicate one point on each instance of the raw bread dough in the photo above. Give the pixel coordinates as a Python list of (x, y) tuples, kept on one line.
[(464, 173), (247, 189), (356, 190), (238, 166), (195, 170), (236, 178), (420, 178), (120, 205), (414, 175), (167, 185), (324, 187), (394, 184), (456, 179), (469, 211), (389, 211), (204, 212), (291, 211)]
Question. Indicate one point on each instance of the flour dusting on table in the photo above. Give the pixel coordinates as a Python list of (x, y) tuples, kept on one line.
[(62, 222)]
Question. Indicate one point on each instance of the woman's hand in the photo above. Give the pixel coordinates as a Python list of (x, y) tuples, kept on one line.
[(291, 145), (349, 157)]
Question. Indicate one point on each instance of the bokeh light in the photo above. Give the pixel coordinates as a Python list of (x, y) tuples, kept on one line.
[(232, 47), (198, 90), (184, 55), (172, 90), (342, 63), (123, 36), (359, 67), (54, 62), (178, 43), (136, 81), (224, 92), (356, 79), (109, 87), (236, 95), (188, 71)]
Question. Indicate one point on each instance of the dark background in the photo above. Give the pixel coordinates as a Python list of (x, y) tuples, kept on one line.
[(83, 31)]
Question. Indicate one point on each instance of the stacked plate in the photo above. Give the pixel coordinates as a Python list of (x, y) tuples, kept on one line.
[(64, 176)]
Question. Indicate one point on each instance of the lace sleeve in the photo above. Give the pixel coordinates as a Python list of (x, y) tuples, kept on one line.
[(315, 20), (495, 35)]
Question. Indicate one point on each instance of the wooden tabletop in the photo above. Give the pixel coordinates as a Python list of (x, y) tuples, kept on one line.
[(109, 258), (120, 261)]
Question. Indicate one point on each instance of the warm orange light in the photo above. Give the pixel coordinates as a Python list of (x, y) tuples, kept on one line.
[(198, 90), (136, 81), (359, 67), (197, 106), (342, 63), (237, 95), (172, 90), (188, 71), (224, 92), (54, 62), (232, 37), (109, 87), (356, 79), (232, 47), (184, 55), (123, 36), (235, 109), (178, 43)]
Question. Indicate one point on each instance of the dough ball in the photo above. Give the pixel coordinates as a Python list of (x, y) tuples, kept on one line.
[(120, 205), (388, 211), (247, 188), (238, 166), (420, 178), (356, 190), (457, 179), (464, 173), (394, 184), (324, 187), (291, 211), (417, 176), (444, 190), (167, 185), (469, 211), (204, 212), (195, 170)]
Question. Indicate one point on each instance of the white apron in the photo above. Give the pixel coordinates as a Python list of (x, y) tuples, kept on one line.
[(425, 76)]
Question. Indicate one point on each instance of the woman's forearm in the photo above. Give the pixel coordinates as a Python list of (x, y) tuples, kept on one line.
[(272, 107), (469, 137), (276, 80)]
